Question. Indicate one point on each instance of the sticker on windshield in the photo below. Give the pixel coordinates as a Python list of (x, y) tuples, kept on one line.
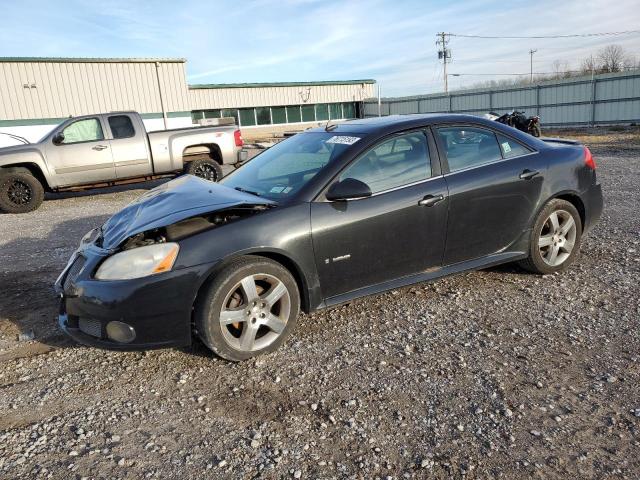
[(344, 140), (277, 189), (506, 147)]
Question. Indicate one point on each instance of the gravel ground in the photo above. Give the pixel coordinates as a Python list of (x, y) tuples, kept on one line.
[(491, 374)]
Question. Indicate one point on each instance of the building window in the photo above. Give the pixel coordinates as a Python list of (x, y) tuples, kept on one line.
[(211, 114), (322, 111), (263, 114), (349, 110), (335, 111), (279, 115), (230, 112), (293, 114), (308, 113), (247, 117)]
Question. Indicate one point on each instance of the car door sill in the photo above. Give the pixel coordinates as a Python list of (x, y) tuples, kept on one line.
[(426, 276)]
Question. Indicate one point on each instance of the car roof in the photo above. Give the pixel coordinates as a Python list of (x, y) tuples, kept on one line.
[(397, 123), (401, 122)]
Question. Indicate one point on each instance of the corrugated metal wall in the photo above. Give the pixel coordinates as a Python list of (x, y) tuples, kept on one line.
[(238, 97), (55, 89), (609, 98)]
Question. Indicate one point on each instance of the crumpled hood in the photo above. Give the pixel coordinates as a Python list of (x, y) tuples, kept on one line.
[(181, 198)]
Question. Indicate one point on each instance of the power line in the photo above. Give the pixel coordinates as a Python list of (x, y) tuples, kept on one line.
[(534, 73), (577, 35)]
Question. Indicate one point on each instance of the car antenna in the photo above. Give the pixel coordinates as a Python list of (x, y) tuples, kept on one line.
[(328, 127)]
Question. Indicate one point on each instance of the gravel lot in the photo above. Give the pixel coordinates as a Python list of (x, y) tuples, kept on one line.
[(491, 374)]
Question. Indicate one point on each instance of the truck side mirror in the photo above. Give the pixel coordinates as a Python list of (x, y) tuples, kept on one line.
[(58, 138)]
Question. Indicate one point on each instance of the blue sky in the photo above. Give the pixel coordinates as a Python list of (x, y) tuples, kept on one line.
[(306, 40)]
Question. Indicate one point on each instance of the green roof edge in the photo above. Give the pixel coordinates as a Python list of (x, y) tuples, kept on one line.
[(90, 60), (279, 84)]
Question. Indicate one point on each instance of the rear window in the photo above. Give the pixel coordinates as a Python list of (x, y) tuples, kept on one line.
[(121, 126)]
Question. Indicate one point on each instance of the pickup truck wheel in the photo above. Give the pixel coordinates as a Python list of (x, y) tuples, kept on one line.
[(206, 168), (20, 191), (249, 308)]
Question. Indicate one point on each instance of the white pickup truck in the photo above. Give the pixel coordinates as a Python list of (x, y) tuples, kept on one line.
[(109, 149)]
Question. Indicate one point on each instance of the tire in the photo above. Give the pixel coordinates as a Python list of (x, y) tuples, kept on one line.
[(204, 167), (20, 191), (535, 131), (248, 316), (563, 238)]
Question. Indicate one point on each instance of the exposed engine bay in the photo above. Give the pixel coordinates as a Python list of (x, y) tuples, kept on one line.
[(191, 226)]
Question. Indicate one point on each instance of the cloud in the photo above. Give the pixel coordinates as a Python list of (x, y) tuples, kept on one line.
[(295, 40)]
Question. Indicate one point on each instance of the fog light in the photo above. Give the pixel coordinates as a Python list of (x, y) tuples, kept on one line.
[(120, 332)]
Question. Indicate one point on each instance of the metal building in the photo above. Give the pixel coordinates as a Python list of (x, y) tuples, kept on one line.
[(38, 93)]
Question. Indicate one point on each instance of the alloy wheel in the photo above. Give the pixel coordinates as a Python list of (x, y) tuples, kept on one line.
[(255, 312), (557, 238), (19, 192), (207, 172)]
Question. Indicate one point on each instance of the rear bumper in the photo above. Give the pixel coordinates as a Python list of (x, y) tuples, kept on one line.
[(593, 205)]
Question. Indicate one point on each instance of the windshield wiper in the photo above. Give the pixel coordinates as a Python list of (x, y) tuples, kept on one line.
[(244, 190)]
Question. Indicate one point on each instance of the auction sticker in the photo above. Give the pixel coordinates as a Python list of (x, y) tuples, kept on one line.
[(344, 140)]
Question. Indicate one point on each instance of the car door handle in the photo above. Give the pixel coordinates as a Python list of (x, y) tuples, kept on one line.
[(99, 147), (430, 200), (528, 174)]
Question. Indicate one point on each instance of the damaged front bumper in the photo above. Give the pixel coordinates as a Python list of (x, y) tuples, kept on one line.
[(141, 313)]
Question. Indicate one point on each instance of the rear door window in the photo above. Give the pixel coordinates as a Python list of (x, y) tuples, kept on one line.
[(121, 126), (468, 147)]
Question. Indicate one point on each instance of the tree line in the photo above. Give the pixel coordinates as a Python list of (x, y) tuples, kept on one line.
[(610, 59)]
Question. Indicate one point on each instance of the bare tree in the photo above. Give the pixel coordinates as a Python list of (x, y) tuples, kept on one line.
[(590, 65), (612, 58)]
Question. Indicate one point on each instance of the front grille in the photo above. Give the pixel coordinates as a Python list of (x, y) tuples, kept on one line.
[(90, 327), (73, 272)]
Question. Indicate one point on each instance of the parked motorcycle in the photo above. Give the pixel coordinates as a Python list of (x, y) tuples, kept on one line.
[(519, 120)]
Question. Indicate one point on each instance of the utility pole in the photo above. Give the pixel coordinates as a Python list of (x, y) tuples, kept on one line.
[(444, 54), (531, 52)]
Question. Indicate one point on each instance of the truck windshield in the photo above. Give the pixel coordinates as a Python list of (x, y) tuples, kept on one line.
[(285, 168)]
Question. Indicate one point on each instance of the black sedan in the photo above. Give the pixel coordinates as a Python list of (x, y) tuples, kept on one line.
[(322, 218)]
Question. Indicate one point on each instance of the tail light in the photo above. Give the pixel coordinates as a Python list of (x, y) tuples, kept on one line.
[(237, 135), (588, 159)]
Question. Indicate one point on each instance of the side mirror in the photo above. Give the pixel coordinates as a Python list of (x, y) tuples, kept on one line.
[(348, 188), (58, 138)]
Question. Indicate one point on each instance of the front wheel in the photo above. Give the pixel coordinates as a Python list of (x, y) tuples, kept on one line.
[(250, 308), (20, 191), (555, 238)]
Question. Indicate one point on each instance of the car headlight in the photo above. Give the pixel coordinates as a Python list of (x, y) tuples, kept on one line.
[(139, 262)]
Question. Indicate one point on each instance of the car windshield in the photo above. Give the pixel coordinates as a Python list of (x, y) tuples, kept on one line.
[(282, 170)]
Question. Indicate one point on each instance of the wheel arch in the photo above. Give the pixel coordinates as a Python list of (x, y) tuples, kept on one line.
[(279, 257), (574, 199), (33, 168), (193, 152)]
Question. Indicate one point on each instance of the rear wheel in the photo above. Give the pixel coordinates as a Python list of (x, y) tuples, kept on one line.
[(535, 130), (250, 308), (205, 167), (20, 191), (555, 238)]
